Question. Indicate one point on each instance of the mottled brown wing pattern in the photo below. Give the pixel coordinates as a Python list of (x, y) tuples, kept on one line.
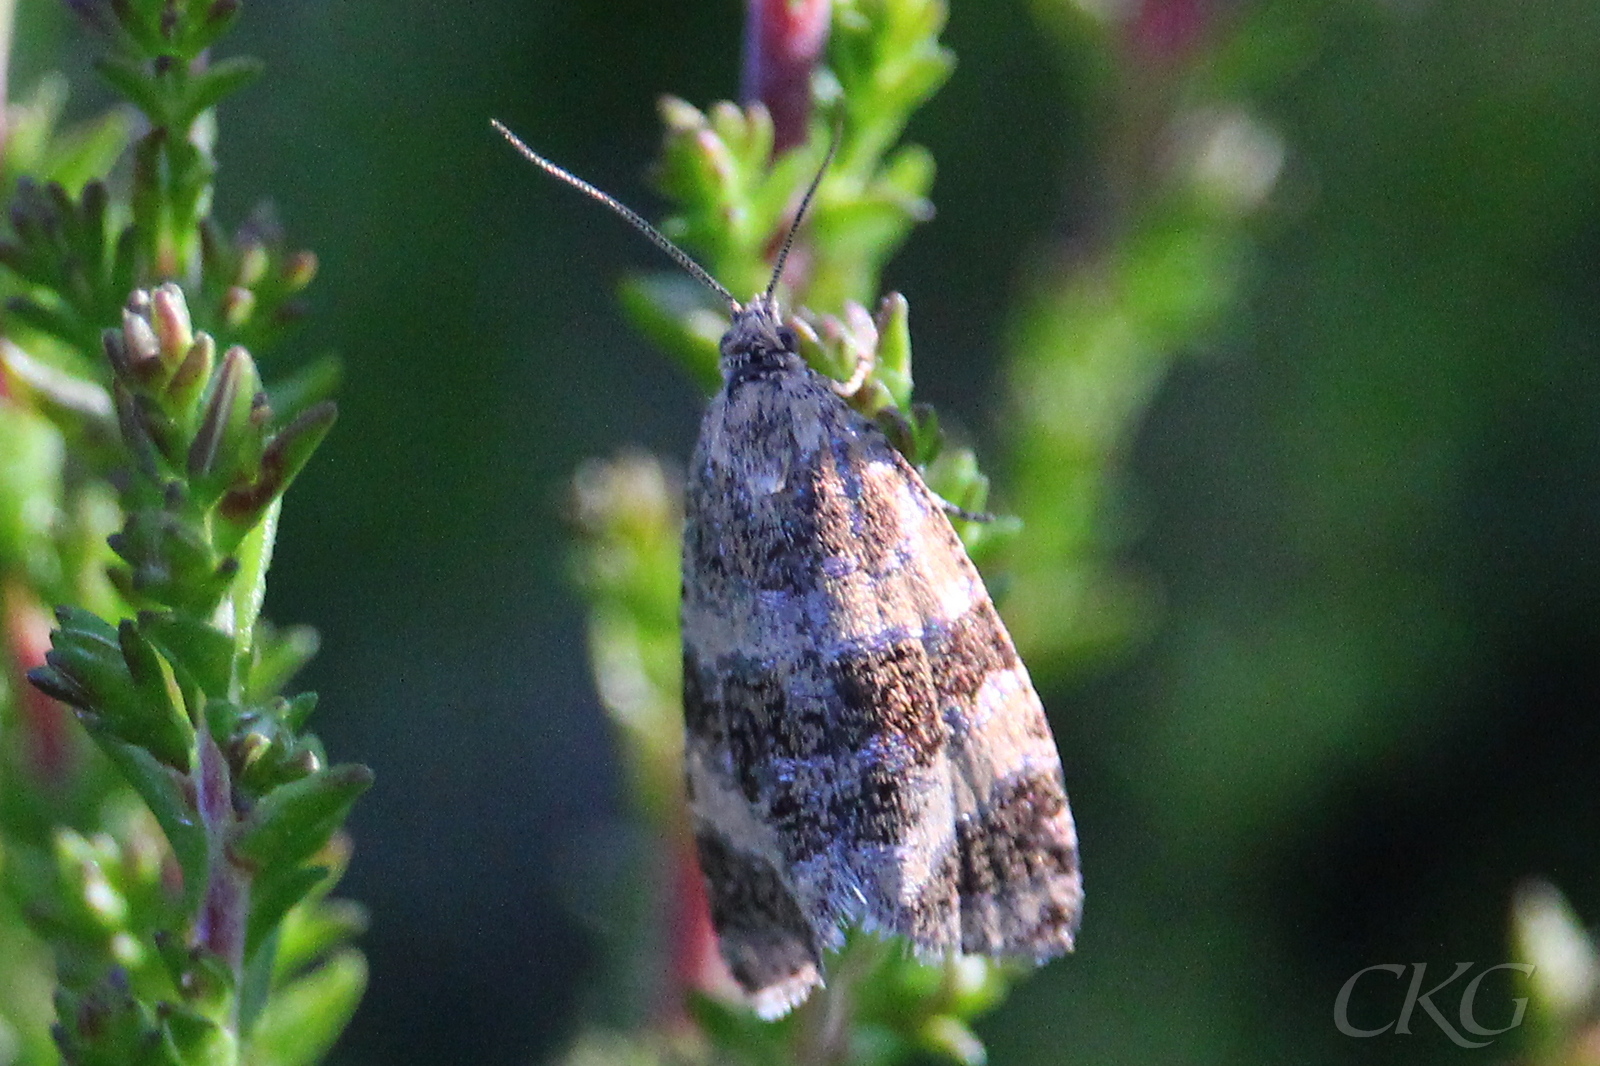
[(864, 744)]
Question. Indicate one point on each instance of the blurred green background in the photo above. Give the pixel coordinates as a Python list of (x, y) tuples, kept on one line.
[(1363, 707)]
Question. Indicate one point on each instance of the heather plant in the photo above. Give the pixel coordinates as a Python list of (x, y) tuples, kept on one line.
[(168, 826)]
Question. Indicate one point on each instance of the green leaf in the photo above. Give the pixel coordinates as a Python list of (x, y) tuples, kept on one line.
[(894, 349), (90, 665), (272, 896), (302, 1020), (64, 396), (218, 19), (284, 456), (201, 655), (221, 79), (909, 172), (62, 323), (293, 821), (298, 711), (316, 929), (254, 553), (78, 156), (280, 654), (198, 1040), (161, 726), (162, 791), (318, 380), (133, 80)]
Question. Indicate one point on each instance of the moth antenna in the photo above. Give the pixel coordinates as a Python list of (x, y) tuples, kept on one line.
[(805, 202), (633, 218)]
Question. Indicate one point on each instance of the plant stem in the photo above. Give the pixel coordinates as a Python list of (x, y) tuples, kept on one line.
[(221, 926)]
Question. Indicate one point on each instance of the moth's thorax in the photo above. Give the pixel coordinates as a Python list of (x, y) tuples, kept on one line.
[(757, 342)]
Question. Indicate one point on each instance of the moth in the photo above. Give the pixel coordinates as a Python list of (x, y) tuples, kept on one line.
[(863, 743)]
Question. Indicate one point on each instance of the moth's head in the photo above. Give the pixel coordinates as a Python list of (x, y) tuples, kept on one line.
[(757, 340)]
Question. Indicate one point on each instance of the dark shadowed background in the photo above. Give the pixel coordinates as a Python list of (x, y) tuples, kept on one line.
[(1367, 706)]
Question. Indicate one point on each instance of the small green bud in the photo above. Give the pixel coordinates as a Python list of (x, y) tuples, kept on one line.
[(134, 426), (249, 749), (955, 476), (893, 368), (299, 270), (305, 762), (929, 438), (106, 1024), (189, 380), (238, 304), (227, 440), (159, 428), (170, 560), (206, 980), (973, 985), (143, 348), (82, 866), (169, 316), (253, 262)]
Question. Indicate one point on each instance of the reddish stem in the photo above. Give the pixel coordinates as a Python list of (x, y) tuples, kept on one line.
[(221, 926), (783, 42)]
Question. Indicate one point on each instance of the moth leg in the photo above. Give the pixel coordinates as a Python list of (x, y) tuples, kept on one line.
[(964, 514), (865, 362)]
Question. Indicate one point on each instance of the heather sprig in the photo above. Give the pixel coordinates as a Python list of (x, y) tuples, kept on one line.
[(172, 851)]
